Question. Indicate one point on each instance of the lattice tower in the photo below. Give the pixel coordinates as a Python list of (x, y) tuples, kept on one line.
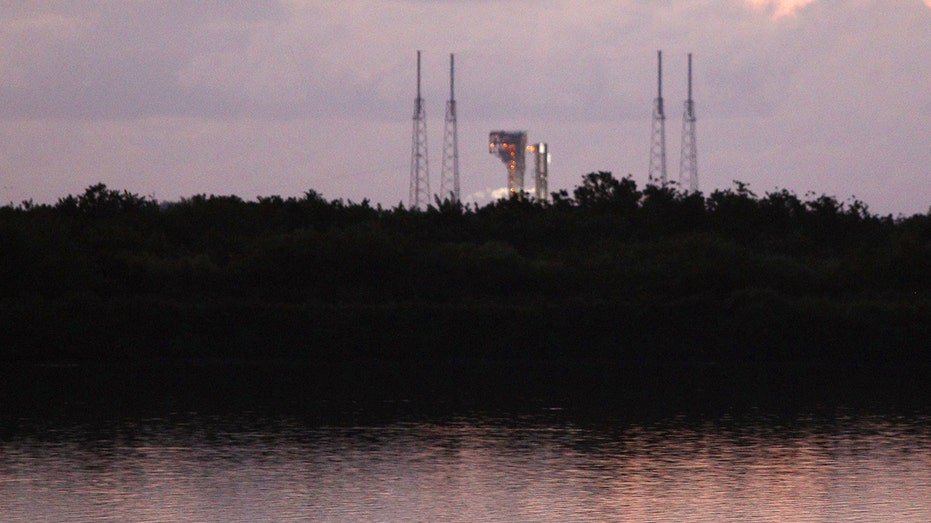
[(420, 173), (658, 138), (449, 177), (688, 159)]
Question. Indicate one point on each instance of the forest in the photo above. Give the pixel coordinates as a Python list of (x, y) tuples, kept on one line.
[(609, 273)]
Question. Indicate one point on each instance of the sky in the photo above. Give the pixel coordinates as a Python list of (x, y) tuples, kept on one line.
[(172, 98)]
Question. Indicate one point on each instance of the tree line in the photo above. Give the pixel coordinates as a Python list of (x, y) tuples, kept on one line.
[(610, 271)]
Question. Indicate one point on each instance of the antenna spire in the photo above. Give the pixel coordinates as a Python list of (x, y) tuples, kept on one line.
[(688, 159), (420, 178), (690, 77), (449, 178), (658, 137), (659, 74)]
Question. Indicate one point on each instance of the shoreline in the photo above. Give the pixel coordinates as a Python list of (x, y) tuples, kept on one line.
[(333, 391)]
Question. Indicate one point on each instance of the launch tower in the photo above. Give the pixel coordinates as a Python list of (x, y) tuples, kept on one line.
[(688, 160), (511, 147), (658, 138), (420, 177), (449, 177)]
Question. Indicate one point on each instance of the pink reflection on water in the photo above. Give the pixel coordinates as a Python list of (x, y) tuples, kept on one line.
[(480, 470)]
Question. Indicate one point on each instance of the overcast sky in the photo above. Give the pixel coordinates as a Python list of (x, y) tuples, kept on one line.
[(171, 98)]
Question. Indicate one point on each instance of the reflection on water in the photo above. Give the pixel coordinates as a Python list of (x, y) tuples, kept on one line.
[(475, 468)]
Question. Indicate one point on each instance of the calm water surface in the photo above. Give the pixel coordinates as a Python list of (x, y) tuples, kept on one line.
[(247, 445), (189, 468)]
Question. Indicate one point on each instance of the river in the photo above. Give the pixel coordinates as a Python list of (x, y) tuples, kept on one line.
[(406, 459)]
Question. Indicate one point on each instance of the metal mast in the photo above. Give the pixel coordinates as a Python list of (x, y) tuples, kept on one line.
[(420, 176), (688, 160), (658, 138), (449, 177)]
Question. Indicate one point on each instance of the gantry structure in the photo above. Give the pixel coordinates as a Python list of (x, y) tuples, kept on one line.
[(449, 177), (420, 172), (511, 147), (688, 159), (658, 135)]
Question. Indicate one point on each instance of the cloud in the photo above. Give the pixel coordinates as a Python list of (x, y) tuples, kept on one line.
[(249, 97), (121, 60), (487, 195), (780, 8)]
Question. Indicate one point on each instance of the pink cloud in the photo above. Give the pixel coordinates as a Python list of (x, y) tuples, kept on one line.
[(782, 8)]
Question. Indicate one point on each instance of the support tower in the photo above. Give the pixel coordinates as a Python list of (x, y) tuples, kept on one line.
[(658, 137), (420, 173), (449, 177), (688, 160)]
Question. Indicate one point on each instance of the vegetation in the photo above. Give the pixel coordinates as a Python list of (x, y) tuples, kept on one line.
[(611, 272)]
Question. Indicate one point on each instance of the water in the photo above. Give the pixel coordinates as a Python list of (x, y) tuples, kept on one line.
[(194, 469), (401, 460)]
